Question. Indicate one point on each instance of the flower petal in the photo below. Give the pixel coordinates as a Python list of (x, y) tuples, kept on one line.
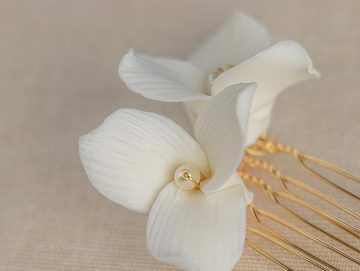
[(258, 123), (193, 109), (132, 155), (236, 180), (162, 79), (221, 131), (239, 39), (195, 231), (273, 70)]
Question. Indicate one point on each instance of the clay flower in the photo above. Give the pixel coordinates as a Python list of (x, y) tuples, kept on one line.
[(197, 202), (237, 53)]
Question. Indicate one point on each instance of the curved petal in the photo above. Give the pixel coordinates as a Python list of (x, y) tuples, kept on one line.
[(221, 131), (274, 69), (239, 39), (162, 79), (195, 231), (258, 123), (236, 180), (193, 109), (132, 155)]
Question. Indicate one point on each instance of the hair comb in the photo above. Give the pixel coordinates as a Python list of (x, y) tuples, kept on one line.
[(192, 185), (254, 163)]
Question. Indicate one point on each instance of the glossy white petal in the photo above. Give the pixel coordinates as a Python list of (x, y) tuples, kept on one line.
[(162, 79), (221, 131), (193, 109), (198, 232), (258, 123), (273, 70), (132, 155), (236, 180), (239, 39)]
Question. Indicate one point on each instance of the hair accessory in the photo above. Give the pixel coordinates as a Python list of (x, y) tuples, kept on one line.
[(253, 163), (193, 188)]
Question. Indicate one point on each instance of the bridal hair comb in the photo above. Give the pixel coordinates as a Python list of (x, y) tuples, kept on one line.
[(253, 162), (192, 187)]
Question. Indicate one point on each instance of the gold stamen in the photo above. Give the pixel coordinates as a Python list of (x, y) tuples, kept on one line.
[(187, 176)]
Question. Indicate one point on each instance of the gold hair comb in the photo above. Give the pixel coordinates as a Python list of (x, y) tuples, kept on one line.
[(338, 252)]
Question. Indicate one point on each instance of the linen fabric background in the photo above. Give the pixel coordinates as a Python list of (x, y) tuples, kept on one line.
[(58, 80)]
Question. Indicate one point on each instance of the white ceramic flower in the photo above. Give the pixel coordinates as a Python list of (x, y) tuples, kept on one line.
[(238, 53), (197, 202)]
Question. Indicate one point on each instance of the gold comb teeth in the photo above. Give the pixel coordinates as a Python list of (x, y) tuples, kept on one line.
[(346, 247)]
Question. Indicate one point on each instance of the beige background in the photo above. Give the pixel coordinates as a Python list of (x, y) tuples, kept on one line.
[(58, 80)]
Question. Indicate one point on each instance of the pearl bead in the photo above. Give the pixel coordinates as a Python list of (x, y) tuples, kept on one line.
[(186, 175)]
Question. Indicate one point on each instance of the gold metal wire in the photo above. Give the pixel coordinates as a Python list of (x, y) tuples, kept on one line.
[(292, 249), (276, 174), (257, 213), (188, 177), (262, 252), (264, 146), (302, 158)]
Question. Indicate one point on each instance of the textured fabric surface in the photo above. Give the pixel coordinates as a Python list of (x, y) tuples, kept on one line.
[(58, 80)]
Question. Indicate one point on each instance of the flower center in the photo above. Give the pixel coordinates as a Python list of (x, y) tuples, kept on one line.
[(219, 70), (187, 177), (216, 72)]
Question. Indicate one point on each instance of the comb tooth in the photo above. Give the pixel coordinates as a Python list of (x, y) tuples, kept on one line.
[(276, 174), (330, 166), (267, 255), (274, 196), (319, 195), (315, 227), (280, 237), (301, 158), (334, 220), (286, 193), (259, 212), (277, 241), (264, 146)]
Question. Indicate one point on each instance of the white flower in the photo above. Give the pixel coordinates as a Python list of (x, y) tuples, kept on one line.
[(197, 202), (242, 42)]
